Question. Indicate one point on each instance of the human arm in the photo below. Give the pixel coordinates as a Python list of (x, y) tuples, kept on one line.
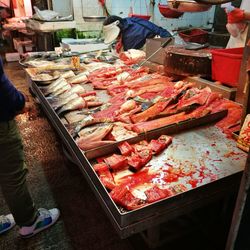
[(10, 97)]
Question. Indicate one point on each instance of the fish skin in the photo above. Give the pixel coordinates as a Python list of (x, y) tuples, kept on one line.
[(61, 90), (72, 105), (68, 74), (57, 103), (93, 131), (93, 137), (55, 83), (80, 78), (59, 84), (94, 144), (78, 89), (89, 120)]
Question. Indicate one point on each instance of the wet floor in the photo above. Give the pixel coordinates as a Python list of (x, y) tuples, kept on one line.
[(54, 181)]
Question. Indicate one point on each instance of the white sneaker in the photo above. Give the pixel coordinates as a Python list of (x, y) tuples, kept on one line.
[(6, 222), (45, 219)]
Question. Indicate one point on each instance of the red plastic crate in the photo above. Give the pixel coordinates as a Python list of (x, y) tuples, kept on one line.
[(194, 35), (226, 65)]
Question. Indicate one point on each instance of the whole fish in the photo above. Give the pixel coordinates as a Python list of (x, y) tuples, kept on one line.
[(90, 135), (77, 89), (58, 84), (80, 78), (63, 89), (74, 117), (59, 102), (77, 103), (68, 74), (89, 120)]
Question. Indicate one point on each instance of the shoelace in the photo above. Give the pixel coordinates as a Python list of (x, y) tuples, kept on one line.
[(43, 213)]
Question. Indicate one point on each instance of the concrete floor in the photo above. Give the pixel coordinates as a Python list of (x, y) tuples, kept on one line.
[(54, 181)]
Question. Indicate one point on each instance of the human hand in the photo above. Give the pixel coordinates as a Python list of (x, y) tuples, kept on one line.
[(236, 16), (30, 110)]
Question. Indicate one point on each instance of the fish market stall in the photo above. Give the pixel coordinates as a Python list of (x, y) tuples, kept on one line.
[(132, 135)]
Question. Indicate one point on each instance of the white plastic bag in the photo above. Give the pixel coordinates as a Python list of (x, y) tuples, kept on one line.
[(46, 15)]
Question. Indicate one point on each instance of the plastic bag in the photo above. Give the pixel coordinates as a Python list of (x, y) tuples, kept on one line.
[(46, 15)]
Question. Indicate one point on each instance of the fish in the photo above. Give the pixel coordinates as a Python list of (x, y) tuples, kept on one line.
[(77, 89), (74, 117), (55, 86), (150, 112), (59, 102), (68, 74), (94, 144), (91, 137), (90, 132), (59, 98), (158, 123), (77, 103), (63, 89), (120, 132), (57, 82), (80, 78), (75, 129)]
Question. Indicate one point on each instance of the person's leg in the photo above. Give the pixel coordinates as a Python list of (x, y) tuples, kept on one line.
[(13, 175), (13, 182)]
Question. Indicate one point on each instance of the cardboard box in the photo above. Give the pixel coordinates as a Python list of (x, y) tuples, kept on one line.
[(12, 57), (243, 141), (22, 46), (152, 44)]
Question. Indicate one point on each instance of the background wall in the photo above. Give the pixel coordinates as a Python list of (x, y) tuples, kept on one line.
[(123, 8)]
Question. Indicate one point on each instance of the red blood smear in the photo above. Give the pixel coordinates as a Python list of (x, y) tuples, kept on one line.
[(193, 183), (171, 178)]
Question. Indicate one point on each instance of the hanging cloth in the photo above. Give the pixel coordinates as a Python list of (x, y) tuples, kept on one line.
[(14, 4)]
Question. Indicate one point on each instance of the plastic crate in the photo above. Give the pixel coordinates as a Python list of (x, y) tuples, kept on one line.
[(194, 36), (226, 65)]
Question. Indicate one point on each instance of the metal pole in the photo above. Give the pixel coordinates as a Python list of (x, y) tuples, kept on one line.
[(239, 208), (245, 181)]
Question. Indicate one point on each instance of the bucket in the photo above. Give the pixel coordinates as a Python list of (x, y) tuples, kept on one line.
[(226, 65)]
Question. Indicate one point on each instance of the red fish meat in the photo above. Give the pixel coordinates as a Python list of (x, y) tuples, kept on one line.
[(150, 112), (116, 161), (158, 123)]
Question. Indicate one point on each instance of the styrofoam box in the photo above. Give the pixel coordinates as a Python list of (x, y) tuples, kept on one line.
[(49, 26), (75, 45)]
